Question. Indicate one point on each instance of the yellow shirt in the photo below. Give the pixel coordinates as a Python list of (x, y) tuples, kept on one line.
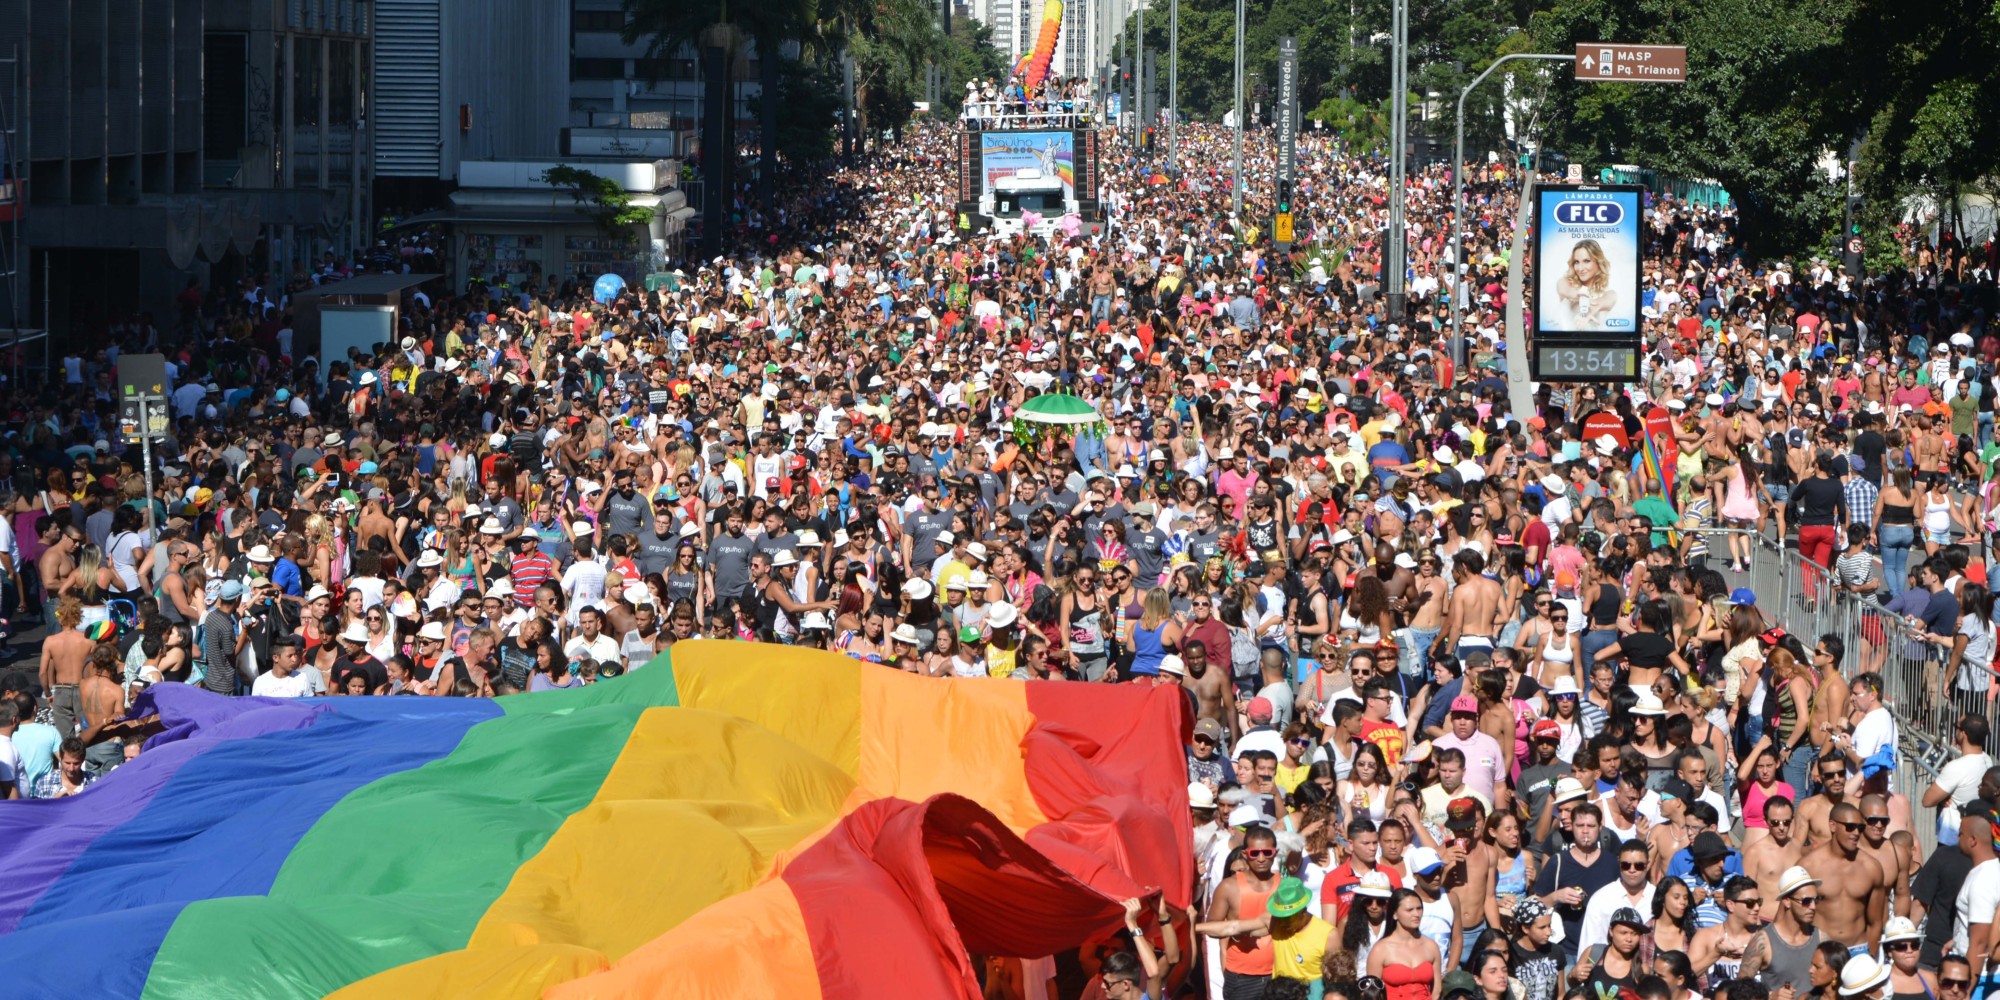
[(1290, 778), (1301, 955)]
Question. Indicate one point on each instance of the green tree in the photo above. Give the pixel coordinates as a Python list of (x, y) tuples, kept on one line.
[(602, 199), (1753, 114)]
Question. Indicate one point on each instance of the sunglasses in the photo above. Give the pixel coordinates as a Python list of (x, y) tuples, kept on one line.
[(1849, 827), (1632, 866), (1955, 984), (1806, 900), (1262, 852), (1752, 902), (1299, 741), (1903, 946), (1831, 775), (1876, 820)]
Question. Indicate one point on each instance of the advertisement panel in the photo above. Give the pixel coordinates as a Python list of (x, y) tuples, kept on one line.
[(1003, 154), (1587, 260)]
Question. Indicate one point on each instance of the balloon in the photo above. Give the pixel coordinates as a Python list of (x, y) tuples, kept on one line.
[(492, 318), (607, 287), (1045, 45)]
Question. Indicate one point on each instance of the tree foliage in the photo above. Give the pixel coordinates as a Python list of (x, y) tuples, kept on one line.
[(601, 198)]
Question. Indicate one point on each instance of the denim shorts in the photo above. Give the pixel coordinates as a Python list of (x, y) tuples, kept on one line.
[(1778, 493)]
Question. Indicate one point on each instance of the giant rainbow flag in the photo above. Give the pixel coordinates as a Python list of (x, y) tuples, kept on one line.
[(729, 821)]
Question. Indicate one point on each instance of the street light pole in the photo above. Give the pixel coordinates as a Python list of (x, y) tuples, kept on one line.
[(1139, 82), (1173, 83), (1393, 262), (1458, 194), (1236, 163)]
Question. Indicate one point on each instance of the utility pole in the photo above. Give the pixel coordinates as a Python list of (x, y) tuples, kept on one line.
[(1457, 276), (1174, 84), (1139, 80), (1236, 162), (1394, 260)]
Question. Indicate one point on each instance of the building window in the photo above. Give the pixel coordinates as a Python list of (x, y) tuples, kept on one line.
[(599, 69), (663, 69), (225, 115), (598, 20)]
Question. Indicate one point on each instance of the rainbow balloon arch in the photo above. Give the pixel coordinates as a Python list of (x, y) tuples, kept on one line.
[(1033, 66)]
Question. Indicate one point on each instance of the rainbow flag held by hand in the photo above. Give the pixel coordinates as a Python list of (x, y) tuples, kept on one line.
[(731, 820)]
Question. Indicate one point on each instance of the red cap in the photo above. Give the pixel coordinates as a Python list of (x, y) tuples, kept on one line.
[(1259, 709), (1548, 729), (771, 482)]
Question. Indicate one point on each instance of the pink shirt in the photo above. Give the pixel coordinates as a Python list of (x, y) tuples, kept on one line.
[(1753, 803), (1236, 487), (1485, 763)]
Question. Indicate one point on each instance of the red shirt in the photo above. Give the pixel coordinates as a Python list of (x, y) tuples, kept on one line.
[(1340, 883), (528, 572)]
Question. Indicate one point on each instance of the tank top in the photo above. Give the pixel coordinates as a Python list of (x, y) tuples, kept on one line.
[(1513, 881), (1255, 959), (1787, 964), (1937, 516), (1552, 653), (1899, 513), (1301, 955), (1086, 631), (1147, 650), (636, 650), (1789, 717)]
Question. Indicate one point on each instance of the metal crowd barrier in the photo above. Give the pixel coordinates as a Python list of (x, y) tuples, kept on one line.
[(1801, 597)]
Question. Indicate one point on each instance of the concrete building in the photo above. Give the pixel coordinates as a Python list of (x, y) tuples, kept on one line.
[(616, 85), (461, 81)]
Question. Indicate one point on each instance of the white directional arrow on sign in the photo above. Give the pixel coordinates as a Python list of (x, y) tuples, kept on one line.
[(1589, 63)]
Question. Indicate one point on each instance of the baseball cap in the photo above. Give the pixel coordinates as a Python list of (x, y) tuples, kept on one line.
[(1208, 728), (1629, 917), (1743, 597), (1259, 709), (1423, 860), (1547, 729), (1465, 703)]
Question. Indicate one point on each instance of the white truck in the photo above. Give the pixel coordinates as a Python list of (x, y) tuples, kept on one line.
[(1027, 190)]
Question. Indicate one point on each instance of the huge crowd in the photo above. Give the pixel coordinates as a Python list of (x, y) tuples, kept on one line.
[(1473, 716)]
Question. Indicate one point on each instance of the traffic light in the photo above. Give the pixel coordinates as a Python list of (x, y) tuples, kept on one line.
[(1284, 196)]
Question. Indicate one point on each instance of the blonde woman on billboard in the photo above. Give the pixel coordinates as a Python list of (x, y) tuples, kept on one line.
[(1585, 287)]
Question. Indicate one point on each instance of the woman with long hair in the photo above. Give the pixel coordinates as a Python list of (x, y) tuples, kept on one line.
[(1969, 677), (1366, 615), (1367, 789), (92, 583), (1673, 916), (1896, 525), (1739, 506), (1534, 959), (1407, 962), (1156, 634), (1510, 868)]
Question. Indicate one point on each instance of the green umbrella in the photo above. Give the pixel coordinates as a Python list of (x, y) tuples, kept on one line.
[(1055, 414)]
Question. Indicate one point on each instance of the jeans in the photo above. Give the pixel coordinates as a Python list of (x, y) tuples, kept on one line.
[(1100, 308), (1816, 543), (1595, 641), (1896, 540), (1983, 433), (1413, 650), (1798, 768)]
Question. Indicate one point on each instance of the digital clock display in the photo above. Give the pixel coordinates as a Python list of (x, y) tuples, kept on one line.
[(1559, 362)]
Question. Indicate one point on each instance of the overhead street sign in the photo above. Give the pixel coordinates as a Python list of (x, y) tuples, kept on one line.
[(1613, 62)]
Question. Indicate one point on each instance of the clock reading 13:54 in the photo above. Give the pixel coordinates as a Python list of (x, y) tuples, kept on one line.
[(1592, 363)]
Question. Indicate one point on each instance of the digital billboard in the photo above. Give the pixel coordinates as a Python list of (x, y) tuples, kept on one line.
[(1053, 152), (1587, 260)]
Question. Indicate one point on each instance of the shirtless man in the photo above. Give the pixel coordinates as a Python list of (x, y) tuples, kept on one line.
[(1854, 888), (1718, 951), (1424, 611), (1833, 791), (64, 655), (1214, 695), (1766, 857), (1895, 858), (1475, 601), (1829, 704), (58, 562), (1467, 875), (103, 703)]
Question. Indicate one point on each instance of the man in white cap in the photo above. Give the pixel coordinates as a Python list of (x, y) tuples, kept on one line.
[(1781, 954)]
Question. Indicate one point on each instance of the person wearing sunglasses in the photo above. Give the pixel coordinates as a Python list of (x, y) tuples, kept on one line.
[(1247, 956), (1301, 942), (1781, 955), (1853, 903), (1135, 974), (1954, 978), (1718, 951), (1632, 890), (1901, 945)]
